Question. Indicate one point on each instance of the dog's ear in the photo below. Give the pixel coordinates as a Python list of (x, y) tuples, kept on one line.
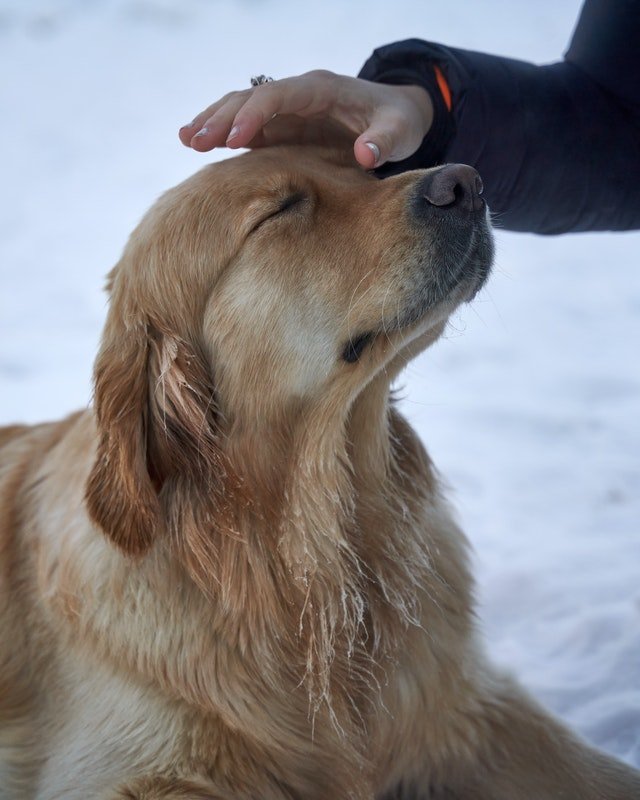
[(183, 424), (120, 494), (155, 413)]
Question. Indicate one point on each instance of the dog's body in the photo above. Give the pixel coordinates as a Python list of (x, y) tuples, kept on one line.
[(237, 577)]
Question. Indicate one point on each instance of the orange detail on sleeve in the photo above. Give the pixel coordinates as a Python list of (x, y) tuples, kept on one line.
[(445, 91)]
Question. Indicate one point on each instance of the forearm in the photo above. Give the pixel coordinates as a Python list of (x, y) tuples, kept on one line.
[(556, 151)]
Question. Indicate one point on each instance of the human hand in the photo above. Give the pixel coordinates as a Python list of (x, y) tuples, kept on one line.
[(387, 122)]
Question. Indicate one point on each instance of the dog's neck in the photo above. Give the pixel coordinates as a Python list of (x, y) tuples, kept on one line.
[(336, 554)]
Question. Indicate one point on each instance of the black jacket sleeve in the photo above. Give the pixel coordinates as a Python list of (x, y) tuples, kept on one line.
[(557, 146)]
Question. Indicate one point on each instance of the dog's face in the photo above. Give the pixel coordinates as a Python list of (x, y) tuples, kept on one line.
[(328, 272), (282, 277)]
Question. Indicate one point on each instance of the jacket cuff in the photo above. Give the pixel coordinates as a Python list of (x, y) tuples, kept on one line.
[(412, 62)]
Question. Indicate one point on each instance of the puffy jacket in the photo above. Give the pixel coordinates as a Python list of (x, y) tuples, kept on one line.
[(557, 146)]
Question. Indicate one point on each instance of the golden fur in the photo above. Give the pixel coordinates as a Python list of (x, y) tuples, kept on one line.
[(236, 577)]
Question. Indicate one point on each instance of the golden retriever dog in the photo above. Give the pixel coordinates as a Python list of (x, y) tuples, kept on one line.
[(236, 577)]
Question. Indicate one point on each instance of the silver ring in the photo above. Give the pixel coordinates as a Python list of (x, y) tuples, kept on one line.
[(258, 80)]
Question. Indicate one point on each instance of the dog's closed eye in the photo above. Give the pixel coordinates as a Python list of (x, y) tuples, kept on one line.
[(290, 201), (287, 204)]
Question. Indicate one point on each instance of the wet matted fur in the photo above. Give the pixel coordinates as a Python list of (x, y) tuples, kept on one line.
[(236, 576)]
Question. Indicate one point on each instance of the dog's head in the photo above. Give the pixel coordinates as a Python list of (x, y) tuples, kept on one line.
[(262, 287)]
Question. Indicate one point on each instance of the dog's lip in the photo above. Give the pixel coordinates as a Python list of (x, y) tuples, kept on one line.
[(478, 284), (474, 267), (354, 348), (454, 284)]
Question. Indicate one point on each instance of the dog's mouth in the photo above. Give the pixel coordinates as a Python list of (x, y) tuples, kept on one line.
[(456, 275), (356, 346), (458, 265), (451, 270)]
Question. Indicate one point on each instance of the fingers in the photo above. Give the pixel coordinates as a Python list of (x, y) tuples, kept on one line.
[(233, 121), (387, 122), (292, 129), (212, 126), (187, 132), (238, 118)]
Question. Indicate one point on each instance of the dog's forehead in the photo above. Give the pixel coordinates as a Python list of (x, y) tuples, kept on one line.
[(264, 169)]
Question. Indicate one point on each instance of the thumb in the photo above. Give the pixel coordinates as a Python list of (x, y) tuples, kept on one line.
[(372, 148), (392, 135), (386, 139)]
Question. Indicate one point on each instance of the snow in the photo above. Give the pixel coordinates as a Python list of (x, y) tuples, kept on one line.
[(531, 404)]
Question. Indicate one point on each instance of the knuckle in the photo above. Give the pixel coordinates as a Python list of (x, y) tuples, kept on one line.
[(261, 97), (264, 99), (320, 74), (263, 89), (239, 94), (321, 81), (250, 115)]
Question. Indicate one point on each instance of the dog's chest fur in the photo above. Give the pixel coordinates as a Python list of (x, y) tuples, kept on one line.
[(148, 670)]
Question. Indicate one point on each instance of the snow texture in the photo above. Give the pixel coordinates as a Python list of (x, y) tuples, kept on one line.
[(531, 404)]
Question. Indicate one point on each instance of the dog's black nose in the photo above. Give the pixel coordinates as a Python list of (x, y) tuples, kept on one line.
[(453, 186)]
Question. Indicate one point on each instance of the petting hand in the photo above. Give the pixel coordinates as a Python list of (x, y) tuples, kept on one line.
[(387, 122)]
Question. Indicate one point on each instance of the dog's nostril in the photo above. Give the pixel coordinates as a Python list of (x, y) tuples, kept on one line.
[(453, 186)]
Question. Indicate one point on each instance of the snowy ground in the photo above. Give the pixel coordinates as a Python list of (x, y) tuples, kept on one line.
[(530, 407)]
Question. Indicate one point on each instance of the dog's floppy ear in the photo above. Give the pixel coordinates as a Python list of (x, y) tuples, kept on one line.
[(120, 494), (156, 420)]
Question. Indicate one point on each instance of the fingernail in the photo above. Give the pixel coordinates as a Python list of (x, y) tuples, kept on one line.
[(375, 150), (233, 133), (188, 125), (203, 132)]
